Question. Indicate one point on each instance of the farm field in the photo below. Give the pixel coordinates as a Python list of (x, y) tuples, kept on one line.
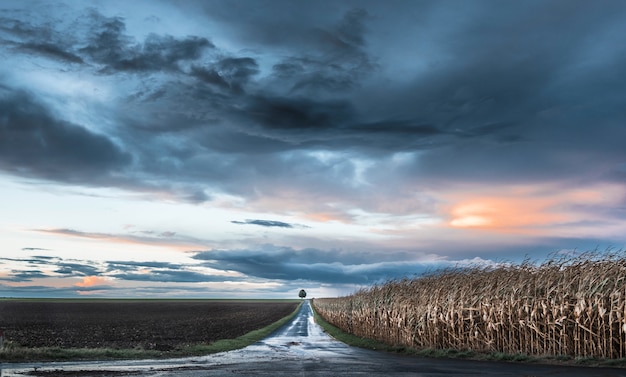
[(565, 308), (160, 325)]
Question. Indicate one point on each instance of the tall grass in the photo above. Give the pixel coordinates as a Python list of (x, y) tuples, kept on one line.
[(573, 307)]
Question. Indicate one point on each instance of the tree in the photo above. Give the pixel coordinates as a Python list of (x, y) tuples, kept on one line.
[(302, 293)]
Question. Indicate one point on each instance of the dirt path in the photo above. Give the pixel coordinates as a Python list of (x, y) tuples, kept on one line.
[(301, 348)]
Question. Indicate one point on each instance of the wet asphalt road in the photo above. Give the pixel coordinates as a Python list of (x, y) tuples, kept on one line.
[(301, 348)]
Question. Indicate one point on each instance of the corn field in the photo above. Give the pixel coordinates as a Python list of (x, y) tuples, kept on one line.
[(560, 307)]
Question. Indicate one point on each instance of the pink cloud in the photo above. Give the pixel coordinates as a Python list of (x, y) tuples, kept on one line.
[(90, 281), (535, 209)]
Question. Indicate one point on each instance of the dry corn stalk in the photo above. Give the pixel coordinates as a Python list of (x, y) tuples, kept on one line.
[(561, 307)]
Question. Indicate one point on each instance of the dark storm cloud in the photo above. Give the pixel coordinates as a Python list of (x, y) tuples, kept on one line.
[(217, 113), (326, 51), (109, 44), (156, 53), (28, 32), (44, 40), (228, 73), (298, 113), (34, 141), (51, 50), (344, 64), (323, 266), (513, 76), (297, 26), (160, 272), (398, 127), (499, 92), (269, 223), (95, 38), (172, 276)]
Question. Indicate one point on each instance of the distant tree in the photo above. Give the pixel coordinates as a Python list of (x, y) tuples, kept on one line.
[(302, 293)]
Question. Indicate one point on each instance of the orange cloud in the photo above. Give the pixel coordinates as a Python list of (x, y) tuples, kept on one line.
[(533, 209), (324, 217), (503, 213), (90, 281)]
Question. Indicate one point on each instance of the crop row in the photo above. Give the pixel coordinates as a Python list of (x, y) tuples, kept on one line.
[(560, 307)]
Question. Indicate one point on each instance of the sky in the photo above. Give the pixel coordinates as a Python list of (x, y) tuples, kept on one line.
[(235, 148)]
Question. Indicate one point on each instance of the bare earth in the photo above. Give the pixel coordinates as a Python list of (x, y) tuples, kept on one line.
[(161, 325)]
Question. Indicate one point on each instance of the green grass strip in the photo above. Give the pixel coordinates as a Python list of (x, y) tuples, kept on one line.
[(13, 353)]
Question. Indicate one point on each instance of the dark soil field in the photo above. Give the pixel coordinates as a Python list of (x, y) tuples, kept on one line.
[(161, 325)]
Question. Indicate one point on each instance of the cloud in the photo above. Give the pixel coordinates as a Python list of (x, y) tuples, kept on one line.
[(33, 260), (423, 127), (109, 45), (134, 264), (104, 273), (322, 266), (39, 40), (38, 267), (334, 87), (152, 271), (323, 52), (170, 276), (269, 223), (75, 269), (33, 142), (25, 275), (221, 116), (282, 113), (35, 291), (50, 50), (166, 234), (228, 73), (92, 281), (167, 238)]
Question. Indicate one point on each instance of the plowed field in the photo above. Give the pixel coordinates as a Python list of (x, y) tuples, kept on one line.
[(122, 324)]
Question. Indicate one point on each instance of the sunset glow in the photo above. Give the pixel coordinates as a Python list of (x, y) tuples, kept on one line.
[(90, 281)]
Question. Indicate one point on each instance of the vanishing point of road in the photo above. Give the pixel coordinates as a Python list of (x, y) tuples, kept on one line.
[(301, 348)]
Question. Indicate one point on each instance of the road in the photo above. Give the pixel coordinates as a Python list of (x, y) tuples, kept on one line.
[(300, 348)]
